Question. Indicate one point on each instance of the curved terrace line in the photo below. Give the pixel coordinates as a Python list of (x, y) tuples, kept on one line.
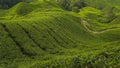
[(84, 23)]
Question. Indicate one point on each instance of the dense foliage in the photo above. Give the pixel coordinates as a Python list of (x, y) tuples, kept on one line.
[(10, 3), (71, 4), (44, 34)]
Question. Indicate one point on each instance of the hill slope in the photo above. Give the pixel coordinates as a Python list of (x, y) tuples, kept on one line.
[(43, 35)]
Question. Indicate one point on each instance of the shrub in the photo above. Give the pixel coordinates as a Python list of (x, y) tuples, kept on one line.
[(75, 9)]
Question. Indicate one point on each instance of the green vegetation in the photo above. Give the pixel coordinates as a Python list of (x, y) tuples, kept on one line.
[(4, 4), (60, 34)]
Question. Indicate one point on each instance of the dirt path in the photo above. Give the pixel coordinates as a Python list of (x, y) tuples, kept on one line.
[(85, 24)]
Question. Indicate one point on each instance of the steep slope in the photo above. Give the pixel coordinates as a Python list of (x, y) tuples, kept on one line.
[(51, 34), (43, 35)]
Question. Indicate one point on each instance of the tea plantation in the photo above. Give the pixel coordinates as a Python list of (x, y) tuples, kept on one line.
[(42, 34)]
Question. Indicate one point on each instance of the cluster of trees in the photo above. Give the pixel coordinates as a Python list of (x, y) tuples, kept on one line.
[(72, 4), (66, 4), (9, 3)]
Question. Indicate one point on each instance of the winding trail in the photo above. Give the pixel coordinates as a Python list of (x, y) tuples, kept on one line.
[(85, 24)]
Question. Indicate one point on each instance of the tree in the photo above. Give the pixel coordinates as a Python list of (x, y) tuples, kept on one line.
[(9, 3), (78, 3), (65, 4), (72, 4)]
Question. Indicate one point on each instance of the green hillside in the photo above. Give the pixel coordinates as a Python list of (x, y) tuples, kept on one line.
[(43, 34)]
